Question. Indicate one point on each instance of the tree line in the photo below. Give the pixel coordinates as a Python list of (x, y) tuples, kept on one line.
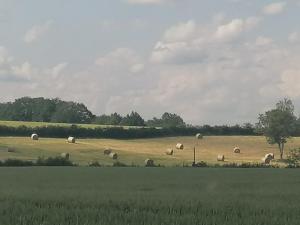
[(58, 111)]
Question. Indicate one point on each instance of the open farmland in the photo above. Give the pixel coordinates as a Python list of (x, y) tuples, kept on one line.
[(136, 151), (149, 196)]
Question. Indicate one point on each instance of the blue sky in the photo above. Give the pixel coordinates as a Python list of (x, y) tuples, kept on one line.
[(217, 62)]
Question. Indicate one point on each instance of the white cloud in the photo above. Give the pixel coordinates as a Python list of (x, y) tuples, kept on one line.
[(274, 8), (124, 58), (234, 28), (290, 84), (58, 69), (294, 37), (36, 32), (181, 32), (190, 42), (263, 41)]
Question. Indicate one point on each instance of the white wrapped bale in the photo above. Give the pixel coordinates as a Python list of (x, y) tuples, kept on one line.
[(237, 150), (113, 155), (179, 146), (107, 151), (65, 155), (34, 137), (71, 140), (221, 158), (199, 136), (169, 151), (268, 158)]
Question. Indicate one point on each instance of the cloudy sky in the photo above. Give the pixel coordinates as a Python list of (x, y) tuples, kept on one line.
[(216, 62)]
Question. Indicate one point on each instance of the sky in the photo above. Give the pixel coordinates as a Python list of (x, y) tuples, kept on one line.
[(211, 62)]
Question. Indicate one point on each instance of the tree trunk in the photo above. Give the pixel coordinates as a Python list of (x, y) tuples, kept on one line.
[(281, 149)]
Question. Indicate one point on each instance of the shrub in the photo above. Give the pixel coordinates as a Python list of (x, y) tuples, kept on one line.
[(16, 163), (94, 164), (119, 164), (293, 158), (54, 161)]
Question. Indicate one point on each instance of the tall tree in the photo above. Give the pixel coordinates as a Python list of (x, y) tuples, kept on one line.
[(278, 124)]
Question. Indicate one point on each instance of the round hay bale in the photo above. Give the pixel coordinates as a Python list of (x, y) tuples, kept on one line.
[(237, 150), (221, 158), (270, 155), (113, 155), (107, 151), (149, 162), (65, 155), (169, 151), (266, 160), (34, 137), (71, 140), (179, 146), (199, 136)]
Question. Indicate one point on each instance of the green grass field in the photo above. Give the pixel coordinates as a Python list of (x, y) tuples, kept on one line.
[(136, 151), (149, 196)]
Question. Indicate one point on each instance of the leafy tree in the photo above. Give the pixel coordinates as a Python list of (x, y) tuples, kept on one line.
[(133, 119), (167, 120), (45, 110), (278, 124), (112, 119), (70, 112)]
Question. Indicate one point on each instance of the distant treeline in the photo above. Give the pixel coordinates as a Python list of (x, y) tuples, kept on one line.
[(122, 133), (58, 111)]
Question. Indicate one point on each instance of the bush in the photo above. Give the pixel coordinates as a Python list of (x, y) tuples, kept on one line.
[(119, 164), (54, 161), (16, 163), (293, 158), (94, 164)]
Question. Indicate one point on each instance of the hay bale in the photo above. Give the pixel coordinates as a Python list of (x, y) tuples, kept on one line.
[(268, 158), (179, 146), (107, 151), (34, 137), (169, 151), (113, 155), (65, 155), (237, 150), (221, 158), (199, 136), (149, 162), (270, 155), (71, 140)]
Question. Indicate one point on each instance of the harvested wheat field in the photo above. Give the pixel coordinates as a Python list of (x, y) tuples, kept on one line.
[(136, 151)]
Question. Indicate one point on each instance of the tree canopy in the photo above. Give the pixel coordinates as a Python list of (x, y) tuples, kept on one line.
[(278, 124)]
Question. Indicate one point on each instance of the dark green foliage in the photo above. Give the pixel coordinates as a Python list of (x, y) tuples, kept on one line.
[(16, 163), (132, 119), (119, 164), (167, 120), (45, 110), (54, 161), (112, 119), (120, 132), (293, 157), (94, 164), (278, 124), (149, 196)]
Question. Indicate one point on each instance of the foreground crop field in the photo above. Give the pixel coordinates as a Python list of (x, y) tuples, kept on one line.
[(177, 196), (136, 151)]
